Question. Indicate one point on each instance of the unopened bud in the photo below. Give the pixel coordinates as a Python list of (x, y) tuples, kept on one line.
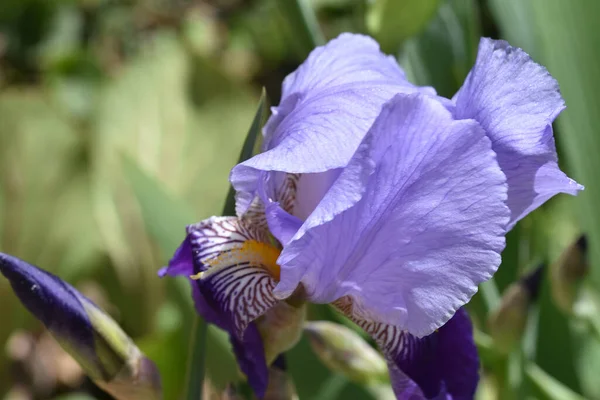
[(567, 273), (93, 339), (507, 322), (281, 328), (342, 350)]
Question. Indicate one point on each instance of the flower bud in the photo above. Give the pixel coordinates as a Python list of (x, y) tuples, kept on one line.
[(567, 273), (281, 328), (93, 339), (507, 322), (344, 351)]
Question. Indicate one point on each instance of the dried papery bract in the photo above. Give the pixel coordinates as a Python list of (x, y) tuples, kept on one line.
[(507, 322), (567, 273)]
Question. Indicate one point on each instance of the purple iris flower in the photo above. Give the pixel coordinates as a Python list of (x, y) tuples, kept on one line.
[(385, 200)]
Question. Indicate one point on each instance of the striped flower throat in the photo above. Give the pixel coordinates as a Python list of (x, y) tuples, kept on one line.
[(252, 253)]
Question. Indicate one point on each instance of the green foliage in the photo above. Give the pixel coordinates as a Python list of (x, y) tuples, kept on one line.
[(120, 121), (393, 21)]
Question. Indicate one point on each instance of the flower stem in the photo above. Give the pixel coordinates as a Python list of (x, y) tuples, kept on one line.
[(195, 369)]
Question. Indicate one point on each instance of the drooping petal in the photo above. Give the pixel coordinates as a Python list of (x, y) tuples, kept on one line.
[(428, 229), (445, 362), (85, 331), (249, 350), (515, 100), (240, 284), (327, 106), (404, 387), (442, 365), (236, 277)]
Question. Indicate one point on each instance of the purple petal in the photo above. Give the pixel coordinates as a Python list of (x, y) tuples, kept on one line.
[(249, 351), (443, 363), (250, 356), (181, 263), (59, 306), (327, 106), (404, 387), (311, 190), (428, 229), (213, 246), (281, 224), (279, 213), (515, 100)]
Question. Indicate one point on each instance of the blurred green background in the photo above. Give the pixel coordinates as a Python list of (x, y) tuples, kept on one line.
[(120, 120)]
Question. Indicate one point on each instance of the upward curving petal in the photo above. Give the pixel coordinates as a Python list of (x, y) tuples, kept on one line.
[(428, 229), (249, 350), (327, 106), (516, 100)]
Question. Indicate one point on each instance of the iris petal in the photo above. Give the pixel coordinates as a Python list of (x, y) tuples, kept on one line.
[(233, 288), (442, 364), (327, 106), (516, 100), (240, 284), (428, 229), (445, 361)]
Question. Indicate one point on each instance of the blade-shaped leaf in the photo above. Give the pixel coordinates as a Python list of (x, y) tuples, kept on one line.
[(514, 18), (165, 218), (548, 387), (555, 344), (304, 31), (248, 148), (443, 53), (569, 36), (199, 330)]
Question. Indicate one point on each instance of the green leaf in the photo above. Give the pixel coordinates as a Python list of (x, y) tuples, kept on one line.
[(394, 21), (569, 36), (442, 55), (555, 344), (548, 387), (304, 32), (165, 218), (195, 368), (248, 148), (199, 330), (515, 20)]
